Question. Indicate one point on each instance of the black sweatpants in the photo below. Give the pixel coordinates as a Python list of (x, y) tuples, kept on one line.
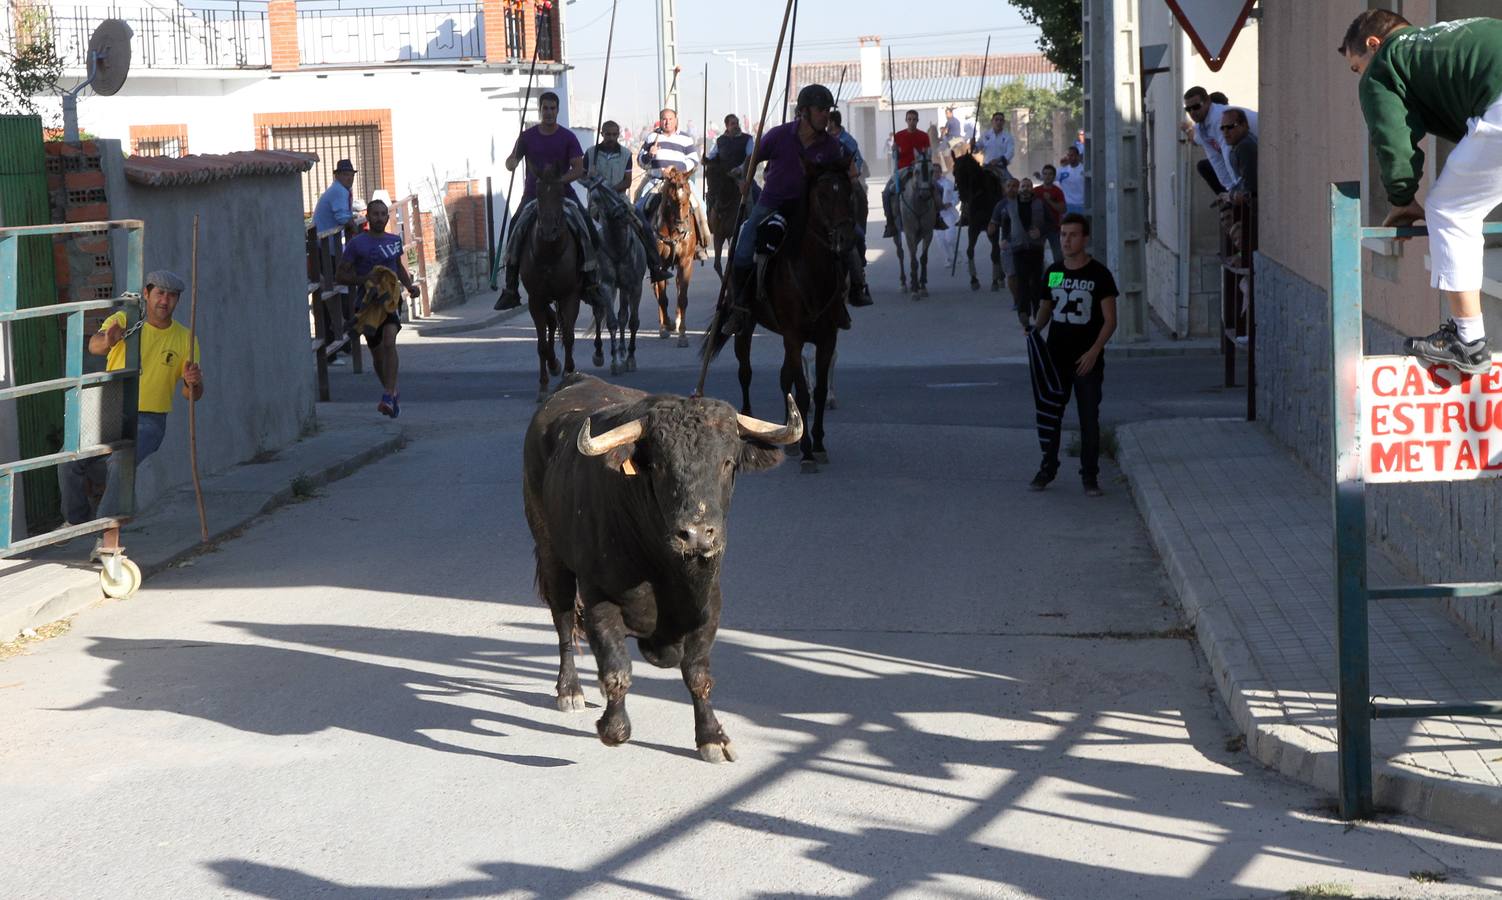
[(1087, 390)]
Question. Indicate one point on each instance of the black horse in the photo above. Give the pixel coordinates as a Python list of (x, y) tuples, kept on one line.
[(980, 189)]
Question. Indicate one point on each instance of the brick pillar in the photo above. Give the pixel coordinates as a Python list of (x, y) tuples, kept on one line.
[(495, 30), (281, 19), (82, 265)]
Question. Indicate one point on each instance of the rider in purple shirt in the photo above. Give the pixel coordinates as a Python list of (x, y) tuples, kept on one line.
[(785, 149)]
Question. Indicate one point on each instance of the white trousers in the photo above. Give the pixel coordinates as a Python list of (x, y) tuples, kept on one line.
[(1469, 187)]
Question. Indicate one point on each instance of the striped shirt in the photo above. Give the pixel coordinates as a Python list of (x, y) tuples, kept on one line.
[(674, 151)]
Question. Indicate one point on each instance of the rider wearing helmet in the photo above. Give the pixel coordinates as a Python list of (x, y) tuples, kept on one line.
[(785, 149)]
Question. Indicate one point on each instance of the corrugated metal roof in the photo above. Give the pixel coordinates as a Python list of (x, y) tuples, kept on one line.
[(170, 171)]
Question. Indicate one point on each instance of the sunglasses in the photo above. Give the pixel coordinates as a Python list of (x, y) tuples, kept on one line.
[(1229, 127), (1194, 108)]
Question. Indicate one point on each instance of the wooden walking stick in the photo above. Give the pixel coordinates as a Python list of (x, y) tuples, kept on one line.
[(203, 522)]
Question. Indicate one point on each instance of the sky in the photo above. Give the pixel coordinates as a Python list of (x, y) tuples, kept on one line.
[(826, 33)]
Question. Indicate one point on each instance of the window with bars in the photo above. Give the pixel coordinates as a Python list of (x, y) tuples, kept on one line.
[(163, 146), (360, 144)]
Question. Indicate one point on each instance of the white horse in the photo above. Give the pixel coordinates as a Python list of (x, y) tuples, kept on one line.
[(917, 204)]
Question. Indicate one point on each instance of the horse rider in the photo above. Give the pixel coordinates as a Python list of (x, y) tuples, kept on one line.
[(906, 144), (997, 146), (667, 148), (734, 148), (787, 149), (610, 162), (863, 171), (542, 145)]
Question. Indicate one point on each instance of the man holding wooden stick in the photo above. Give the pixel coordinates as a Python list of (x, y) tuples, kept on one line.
[(168, 356)]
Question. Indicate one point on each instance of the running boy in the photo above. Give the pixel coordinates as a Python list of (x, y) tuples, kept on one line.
[(1078, 306)]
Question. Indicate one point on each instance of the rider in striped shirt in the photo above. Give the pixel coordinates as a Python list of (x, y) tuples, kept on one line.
[(666, 148)]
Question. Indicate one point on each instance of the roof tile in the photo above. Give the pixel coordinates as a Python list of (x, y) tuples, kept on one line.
[(170, 171)]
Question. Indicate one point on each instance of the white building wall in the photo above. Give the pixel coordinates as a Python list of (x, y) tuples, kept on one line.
[(446, 124)]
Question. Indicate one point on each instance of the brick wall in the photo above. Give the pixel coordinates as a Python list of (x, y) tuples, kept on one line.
[(82, 265), (465, 202), (281, 21), (1439, 531)]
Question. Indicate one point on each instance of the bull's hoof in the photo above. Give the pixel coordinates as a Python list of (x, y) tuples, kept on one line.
[(631, 363), (571, 702), (717, 753), (599, 359), (554, 367), (613, 733), (809, 466), (664, 333)]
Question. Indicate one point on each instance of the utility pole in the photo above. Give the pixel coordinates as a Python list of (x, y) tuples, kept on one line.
[(667, 48), (1114, 164)]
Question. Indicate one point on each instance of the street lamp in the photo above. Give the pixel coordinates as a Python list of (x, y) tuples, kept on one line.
[(730, 56)]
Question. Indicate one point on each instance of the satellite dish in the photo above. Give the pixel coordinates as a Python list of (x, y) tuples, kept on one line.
[(109, 61), (109, 53)]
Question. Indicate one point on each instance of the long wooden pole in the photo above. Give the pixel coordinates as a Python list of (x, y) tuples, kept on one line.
[(788, 86), (740, 215), (203, 521), (521, 123), (605, 82), (704, 130)]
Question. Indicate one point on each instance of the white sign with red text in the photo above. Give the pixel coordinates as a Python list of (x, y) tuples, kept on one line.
[(1424, 422)]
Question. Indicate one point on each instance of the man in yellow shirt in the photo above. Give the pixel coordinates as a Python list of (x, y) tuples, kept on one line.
[(166, 359)]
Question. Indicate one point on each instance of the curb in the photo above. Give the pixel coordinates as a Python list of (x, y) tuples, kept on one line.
[(85, 591), (1286, 748), (494, 319)]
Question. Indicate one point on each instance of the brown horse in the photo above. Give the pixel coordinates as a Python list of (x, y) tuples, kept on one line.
[(723, 200), (806, 280), (677, 247), (550, 273)]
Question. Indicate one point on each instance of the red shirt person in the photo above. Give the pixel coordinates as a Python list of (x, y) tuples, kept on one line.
[(907, 143)]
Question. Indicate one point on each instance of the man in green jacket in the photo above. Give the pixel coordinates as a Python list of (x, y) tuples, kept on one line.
[(1446, 80)]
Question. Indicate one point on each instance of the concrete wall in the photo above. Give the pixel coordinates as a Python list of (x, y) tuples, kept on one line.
[(1444, 531), (252, 313)]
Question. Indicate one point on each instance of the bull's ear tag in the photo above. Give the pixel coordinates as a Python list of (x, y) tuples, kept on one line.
[(628, 467), (1055, 279)]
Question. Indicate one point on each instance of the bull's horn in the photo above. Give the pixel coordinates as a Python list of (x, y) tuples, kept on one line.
[(618, 436), (771, 432)]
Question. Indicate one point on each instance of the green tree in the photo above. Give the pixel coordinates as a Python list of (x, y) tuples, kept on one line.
[(30, 66), (1061, 23)]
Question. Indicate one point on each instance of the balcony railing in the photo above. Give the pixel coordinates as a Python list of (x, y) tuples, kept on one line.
[(385, 34), (230, 37)]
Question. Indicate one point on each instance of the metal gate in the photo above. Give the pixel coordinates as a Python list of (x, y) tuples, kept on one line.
[(360, 144)]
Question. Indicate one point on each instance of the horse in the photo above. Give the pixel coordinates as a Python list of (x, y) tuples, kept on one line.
[(723, 198), (677, 247), (550, 273), (980, 188), (805, 280), (622, 267), (917, 206)]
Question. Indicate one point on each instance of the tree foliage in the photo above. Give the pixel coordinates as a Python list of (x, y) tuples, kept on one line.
[(30, 66), (1039, 102), (1061, 23)]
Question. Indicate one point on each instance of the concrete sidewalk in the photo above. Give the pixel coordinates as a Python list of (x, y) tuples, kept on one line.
[(1245, 535), (57, 581), (477, 314)]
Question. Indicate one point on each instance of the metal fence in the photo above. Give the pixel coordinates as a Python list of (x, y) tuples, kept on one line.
[(360, 144), (169, 37), (352, 35)]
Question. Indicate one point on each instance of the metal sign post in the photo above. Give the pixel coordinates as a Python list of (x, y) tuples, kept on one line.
[(1355, 456)]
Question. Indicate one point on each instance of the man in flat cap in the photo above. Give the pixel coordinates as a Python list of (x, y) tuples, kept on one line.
[(336, 206), (166, 359)]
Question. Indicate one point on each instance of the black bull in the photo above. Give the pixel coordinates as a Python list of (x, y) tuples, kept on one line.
[(630, 532)]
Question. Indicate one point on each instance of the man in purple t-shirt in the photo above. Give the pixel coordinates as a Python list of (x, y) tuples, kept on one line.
[(785, 149), (544, 145)]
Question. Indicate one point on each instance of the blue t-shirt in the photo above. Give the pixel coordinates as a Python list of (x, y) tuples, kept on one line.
[(333, 208), (366, 251)]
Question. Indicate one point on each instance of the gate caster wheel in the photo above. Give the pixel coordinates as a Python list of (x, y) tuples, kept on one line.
[(124, 587)]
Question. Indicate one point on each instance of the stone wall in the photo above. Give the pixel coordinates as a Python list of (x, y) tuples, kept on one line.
[(1440, 531)]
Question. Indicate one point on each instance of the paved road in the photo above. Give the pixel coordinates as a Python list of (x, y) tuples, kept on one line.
[(939, 683)]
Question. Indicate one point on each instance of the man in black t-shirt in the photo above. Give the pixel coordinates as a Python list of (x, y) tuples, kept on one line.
[(1078, 306)]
